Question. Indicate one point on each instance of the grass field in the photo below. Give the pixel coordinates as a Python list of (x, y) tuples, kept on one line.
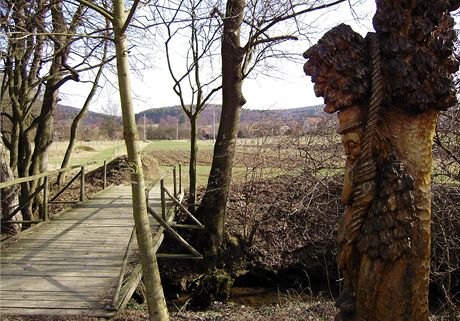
[(176, 145), (254, 157), (85, 152)]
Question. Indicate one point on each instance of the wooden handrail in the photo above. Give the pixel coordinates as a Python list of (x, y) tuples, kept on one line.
[(123, 269), (186, 211), (173, 233), (52, 200), (45, 187), (48, 173)]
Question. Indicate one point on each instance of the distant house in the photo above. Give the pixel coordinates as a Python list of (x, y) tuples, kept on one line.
[(206, 133)]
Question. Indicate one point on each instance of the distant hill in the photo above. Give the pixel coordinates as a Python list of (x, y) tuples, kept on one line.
[(166, 114), (67, 114), (157, 115), (173, 117)]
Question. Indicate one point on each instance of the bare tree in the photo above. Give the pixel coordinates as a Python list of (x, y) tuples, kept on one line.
[(250, 32), (195, 85), (111, 124), (120, 20), (79, 117), (39, 39)]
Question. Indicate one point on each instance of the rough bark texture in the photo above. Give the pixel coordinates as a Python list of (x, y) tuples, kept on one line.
[(155, 298), (9, 195), (192, 165), (388, 88), (27, 55), (213, 205)]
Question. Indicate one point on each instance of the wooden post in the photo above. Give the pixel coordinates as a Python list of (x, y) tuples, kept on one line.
[(163, 201), (180, 178), (82, 183), (105, 175), (174, 181), (45, 199)]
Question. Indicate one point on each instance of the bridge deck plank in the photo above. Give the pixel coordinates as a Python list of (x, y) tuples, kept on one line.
[(70, 265)]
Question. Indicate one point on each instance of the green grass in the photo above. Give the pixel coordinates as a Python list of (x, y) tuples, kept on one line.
[(202, 173), (88, 156), (85, 152), (166, 145)]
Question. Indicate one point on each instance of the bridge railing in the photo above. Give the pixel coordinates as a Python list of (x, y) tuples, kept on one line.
[(43, 187), (166, 221)]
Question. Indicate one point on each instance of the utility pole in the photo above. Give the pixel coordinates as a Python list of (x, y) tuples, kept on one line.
[(177, 128)]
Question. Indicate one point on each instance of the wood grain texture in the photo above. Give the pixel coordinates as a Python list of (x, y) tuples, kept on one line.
[(71, 264)]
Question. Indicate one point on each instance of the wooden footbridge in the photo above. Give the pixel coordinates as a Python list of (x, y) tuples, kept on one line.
[(85, 261)]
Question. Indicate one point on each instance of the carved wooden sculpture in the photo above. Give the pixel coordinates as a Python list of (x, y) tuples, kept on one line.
[(388, 89)]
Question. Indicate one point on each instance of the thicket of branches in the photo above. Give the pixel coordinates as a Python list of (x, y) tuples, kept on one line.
[(286, 209)]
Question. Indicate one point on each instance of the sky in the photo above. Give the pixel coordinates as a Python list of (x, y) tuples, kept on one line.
[(285, 86)]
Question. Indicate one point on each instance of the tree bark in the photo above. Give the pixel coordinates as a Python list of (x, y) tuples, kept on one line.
[(8, 196), (213, 205), (155, 298), (192, 166), (31, 136), (387, 120)]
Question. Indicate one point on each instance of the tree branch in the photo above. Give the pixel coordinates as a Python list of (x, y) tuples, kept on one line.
[(278, 19), (98, 9), (130, 15), (273, 39)]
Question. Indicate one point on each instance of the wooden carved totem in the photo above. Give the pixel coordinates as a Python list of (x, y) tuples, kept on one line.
[(387, 89)]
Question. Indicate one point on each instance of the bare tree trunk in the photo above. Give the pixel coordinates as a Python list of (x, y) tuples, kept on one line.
[(9, 195), (192, 166), (155, 298), (75, 122), (213, 205)]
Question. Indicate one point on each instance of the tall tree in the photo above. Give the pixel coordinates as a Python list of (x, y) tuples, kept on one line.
[(120, 19), (192, 17), (257, 23), (81, 114), (388, 89), (39, 37)]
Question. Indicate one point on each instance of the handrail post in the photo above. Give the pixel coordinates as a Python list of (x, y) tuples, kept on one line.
[(180, 178), (82, 183), (163, 201), (45, 199), (174, 181), (105, 175)]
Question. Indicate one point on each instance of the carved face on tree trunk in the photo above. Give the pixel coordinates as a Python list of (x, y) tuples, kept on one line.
[(387, 88), (351, 128)]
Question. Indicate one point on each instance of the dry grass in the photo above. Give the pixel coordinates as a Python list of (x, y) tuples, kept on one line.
[(289, 308)]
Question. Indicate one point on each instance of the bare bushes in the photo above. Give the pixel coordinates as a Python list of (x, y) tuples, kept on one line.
[(286, 208), (287, 220), (447, 146), (445, 241)]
